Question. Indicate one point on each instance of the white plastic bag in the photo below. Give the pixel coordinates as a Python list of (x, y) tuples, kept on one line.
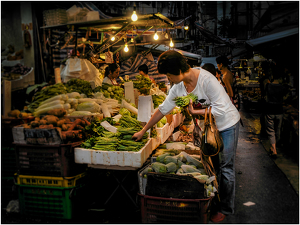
[(74, 65)]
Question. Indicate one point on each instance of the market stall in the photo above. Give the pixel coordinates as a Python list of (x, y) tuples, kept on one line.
[(80, 124)]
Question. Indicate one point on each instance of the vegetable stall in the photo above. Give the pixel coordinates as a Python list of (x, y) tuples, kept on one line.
[(74, 130)]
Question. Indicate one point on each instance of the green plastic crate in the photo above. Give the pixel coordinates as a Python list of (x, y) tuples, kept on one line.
[(51, 202)]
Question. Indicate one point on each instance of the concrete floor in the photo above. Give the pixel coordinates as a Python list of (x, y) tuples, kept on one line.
[(266, 189)]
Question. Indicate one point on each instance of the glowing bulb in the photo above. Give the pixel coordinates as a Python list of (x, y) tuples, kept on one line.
[(186, 27), (171, 43), (134, 17), (131, 40), (155, 36), (112, 38), (126, 48)]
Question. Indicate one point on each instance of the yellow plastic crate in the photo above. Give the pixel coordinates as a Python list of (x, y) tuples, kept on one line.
[(50, 181)]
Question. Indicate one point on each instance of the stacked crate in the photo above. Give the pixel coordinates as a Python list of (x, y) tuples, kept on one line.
[(49, 182)]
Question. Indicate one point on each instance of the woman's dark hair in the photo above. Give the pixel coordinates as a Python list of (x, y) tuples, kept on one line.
[(111, 68), (210, 68), (143, 68), (172, 62), (223, 59)]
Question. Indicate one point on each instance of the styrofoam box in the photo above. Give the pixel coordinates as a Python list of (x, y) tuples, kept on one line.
[(23, 81), (164, 132), (114, 158), (155, 142), (177, 119)]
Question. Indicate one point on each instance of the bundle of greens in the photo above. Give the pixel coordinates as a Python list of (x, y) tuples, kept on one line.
[(106, 144), (80, 86), (142, 82), (130, 145), (184, 101), (157, 100), (94, 129), (111, 91), (128, 121)]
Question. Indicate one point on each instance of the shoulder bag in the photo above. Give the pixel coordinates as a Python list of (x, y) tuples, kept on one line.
[(212, 142)]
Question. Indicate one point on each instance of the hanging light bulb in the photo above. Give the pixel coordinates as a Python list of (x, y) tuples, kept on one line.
[(131, 39), (186, 27), (171, 43), (113, 38), (126, 48), (134, 17), (155, 35)]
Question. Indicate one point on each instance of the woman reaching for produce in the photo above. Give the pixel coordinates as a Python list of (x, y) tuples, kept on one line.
[(112, 71), (205, 86)]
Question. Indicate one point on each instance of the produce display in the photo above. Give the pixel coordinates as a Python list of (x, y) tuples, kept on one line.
[(142, 83), (100, 139), (180, 163), (111, 91)]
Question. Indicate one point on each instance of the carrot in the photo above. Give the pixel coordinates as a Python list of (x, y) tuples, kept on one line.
[(86, 122), (60, 122), (76, 122), (57, 112), (78, 127), (43, 122), (64, 127)]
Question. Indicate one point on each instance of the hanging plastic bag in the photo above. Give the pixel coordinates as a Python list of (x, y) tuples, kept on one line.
[(74, 65), (109, 57)]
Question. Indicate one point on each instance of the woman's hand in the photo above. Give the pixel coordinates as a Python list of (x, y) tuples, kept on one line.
[(138, 135), (191, 107)]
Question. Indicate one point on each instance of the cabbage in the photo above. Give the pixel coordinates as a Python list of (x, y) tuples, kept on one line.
[(124, 111), (88, 106), (159, 124)]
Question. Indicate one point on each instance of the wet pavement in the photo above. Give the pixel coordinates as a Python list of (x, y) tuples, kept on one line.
[(266, 188)]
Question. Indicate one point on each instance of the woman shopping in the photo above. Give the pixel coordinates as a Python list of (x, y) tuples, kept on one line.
[(203, 84), (112, 71)]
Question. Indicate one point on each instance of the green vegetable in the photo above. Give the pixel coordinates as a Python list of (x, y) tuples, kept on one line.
[(161, 158), (80, 86), (169, 159), (124, 111), (189, 169), (88, 106), (159, 167), (184, 101), (171, 167)]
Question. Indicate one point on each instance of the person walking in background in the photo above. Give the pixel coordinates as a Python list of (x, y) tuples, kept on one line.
[(274, 94), (203, 84), (210, 68), (112, 71), (229, 80), (143, 70)]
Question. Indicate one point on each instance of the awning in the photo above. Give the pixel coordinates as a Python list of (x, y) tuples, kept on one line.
[(272, 37)]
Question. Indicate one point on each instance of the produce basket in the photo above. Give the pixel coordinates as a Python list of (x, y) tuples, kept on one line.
[(164, 132), (52, 202), (172, 210), (174, 186), (50, 181), (47, 160), (24, 81)]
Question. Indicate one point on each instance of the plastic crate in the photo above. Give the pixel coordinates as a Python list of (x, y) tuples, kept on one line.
[(48, 160), (8, 162), (51, 181), (52, 202), (171, 210)]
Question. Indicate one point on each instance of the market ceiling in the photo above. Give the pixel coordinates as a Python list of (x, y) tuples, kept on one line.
[(156, 20)]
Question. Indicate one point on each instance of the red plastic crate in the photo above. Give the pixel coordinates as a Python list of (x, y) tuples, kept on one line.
[(170, 210), (48, 160)]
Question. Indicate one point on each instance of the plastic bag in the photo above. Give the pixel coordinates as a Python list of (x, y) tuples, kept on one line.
[(74, 65)]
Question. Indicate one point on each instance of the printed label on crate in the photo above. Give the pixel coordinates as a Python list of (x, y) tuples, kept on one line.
[(40, 133)]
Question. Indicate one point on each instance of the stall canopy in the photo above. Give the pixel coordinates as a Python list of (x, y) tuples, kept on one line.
[(273, 37)]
